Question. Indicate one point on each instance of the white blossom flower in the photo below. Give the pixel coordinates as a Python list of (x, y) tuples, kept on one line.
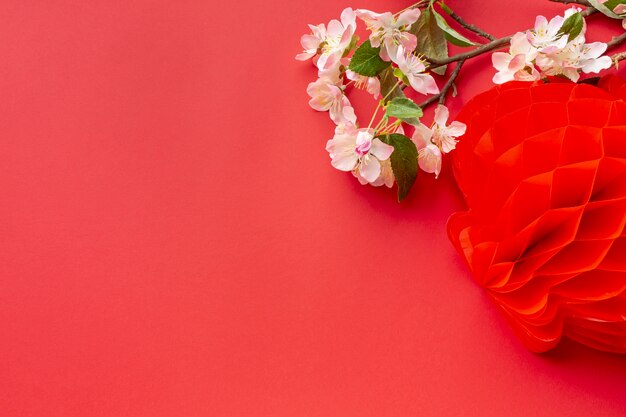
[(517, 64), (325, 96), (413, 68), (360, 153), (312, 42), (338, 38), (390, 32)]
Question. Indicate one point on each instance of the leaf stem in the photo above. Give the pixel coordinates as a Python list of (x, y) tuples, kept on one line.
[(382, 101)]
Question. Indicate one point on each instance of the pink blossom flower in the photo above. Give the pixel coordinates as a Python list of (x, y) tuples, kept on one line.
[(413, 68), (389, 32), (428, 154), (433, 142), (371, 84), (545, 35), (574, 57), (445, 136), (338, 38), (360, 153), (325, 96), (312, 42), (517, 64)]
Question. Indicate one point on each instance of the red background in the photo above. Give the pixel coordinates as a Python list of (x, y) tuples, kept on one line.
[(174, 241)]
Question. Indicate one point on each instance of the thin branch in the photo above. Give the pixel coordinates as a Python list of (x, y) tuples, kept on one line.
[(617, 58), (441, 97), (580, 2), (471, 27), (435, 63), (616, 41)]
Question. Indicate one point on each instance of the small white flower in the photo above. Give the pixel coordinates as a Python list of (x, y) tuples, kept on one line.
[(338, 38), (360, 153), (413, 68), (312, 42), (325, 96), (545, 35), (445, 136), (517, 64), (390, 32), (433, 142)]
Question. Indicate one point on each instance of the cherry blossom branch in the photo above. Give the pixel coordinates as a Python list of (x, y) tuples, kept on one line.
[(435, 63), (497, 43), (441, 97), (471, 27), (617, 58)]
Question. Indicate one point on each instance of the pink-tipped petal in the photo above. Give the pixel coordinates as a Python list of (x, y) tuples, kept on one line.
[(408, 17), (409, 41), (381, 150), (457, 129), (370, 168), (429, 159), (305, 56), (422, 136), (441, 115), (501, 60)]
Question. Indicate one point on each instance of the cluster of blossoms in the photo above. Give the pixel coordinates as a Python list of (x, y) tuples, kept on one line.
[(555, 47), (389, 62), (360, 150)]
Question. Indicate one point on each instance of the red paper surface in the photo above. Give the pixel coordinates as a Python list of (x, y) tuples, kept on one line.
[(174, 241)]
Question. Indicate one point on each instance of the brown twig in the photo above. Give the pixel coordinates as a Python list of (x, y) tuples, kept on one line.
[(471, 27), (617, 58), (441, 97), (616, 41), (580, 2), (435, 63)]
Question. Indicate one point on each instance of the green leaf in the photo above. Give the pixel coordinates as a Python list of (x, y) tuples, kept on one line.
[(604, 9), (445, 8), (403, 162), (366, 60), (404, 109), (431, 39), (451, 35), (572, 26), (387, 82), (612, 4)]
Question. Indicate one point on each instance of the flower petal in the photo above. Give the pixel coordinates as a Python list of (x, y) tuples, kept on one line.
[(441, 115), (381, 150), (429, 159), (408, 17), (370, 168)]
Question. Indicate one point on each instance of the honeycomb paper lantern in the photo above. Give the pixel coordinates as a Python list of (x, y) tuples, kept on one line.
[(542, 168)]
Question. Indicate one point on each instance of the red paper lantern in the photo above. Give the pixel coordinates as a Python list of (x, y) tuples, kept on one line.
[(543, 171)]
